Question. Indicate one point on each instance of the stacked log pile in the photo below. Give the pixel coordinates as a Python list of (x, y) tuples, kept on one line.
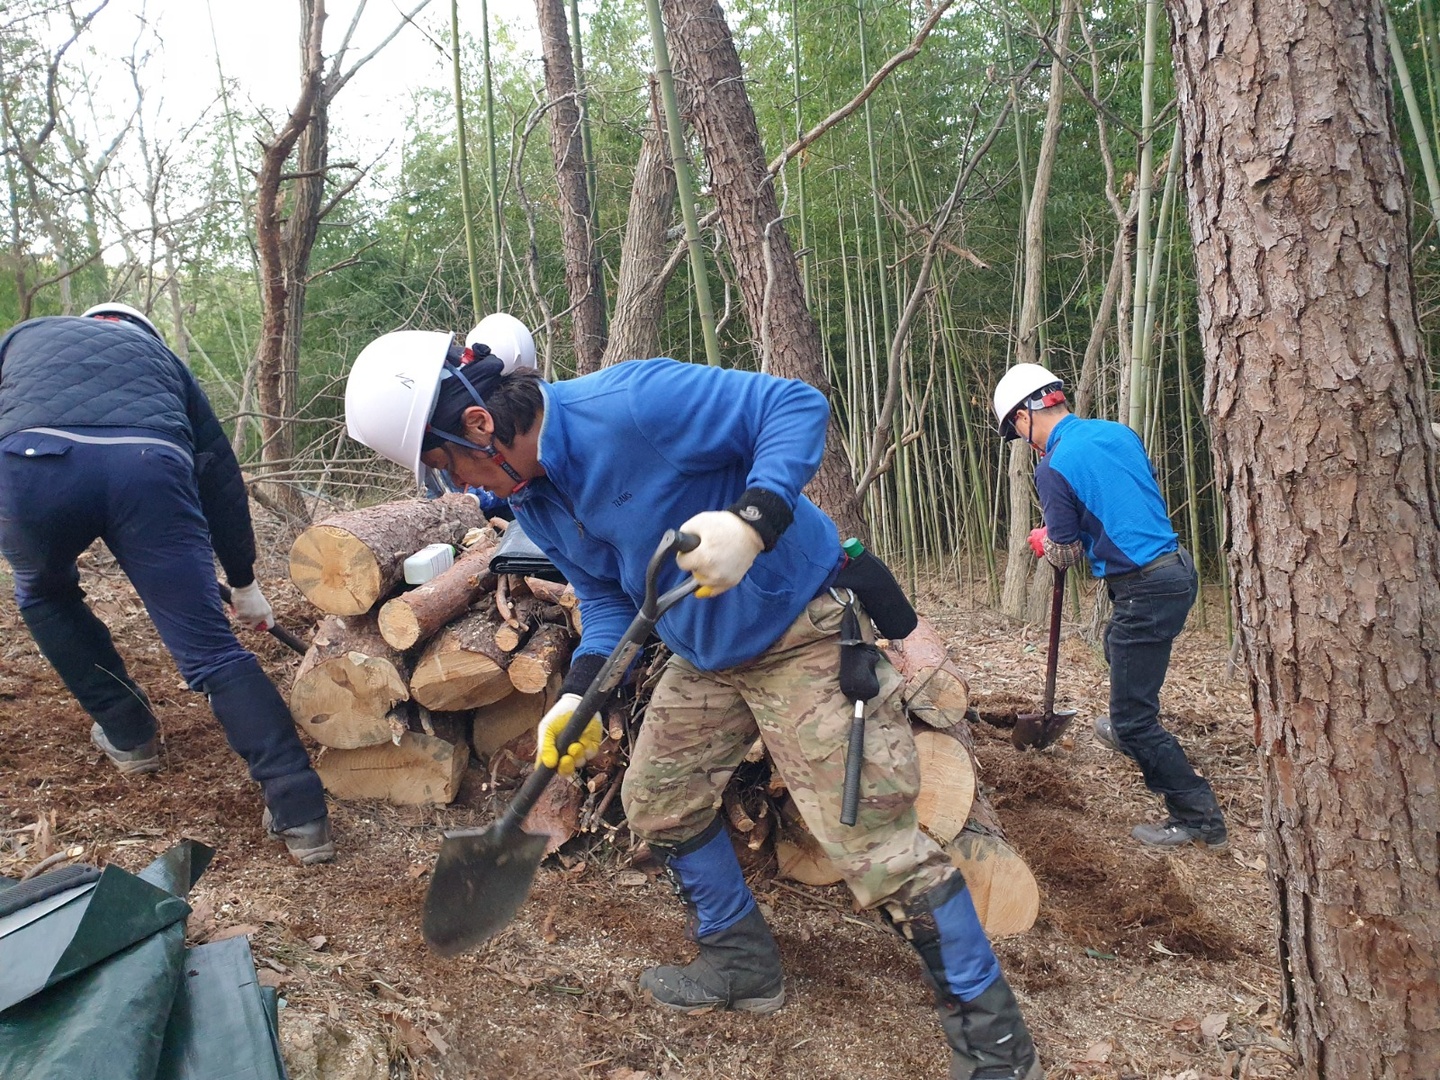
[(403, 687)]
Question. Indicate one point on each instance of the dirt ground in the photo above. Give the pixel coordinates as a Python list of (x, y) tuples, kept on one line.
[(1140, 965)]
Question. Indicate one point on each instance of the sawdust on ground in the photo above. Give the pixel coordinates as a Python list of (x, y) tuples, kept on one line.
[(1140, 965)]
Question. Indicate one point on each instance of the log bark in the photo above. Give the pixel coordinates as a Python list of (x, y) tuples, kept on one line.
[(421, 769), (546, 654), (347, 563), (556, 814), (347, 683), (462, 668), (419, 614), (1316, 392), (935, 691), (526, 613)]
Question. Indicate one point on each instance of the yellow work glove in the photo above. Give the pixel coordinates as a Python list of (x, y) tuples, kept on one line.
[(726, 551), (552, 724)]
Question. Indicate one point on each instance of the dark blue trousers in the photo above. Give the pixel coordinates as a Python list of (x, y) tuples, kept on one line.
[(56, 497), (1149, 612)]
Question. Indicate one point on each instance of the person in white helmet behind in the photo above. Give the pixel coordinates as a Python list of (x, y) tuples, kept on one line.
[(1101, 502), (596, 469)]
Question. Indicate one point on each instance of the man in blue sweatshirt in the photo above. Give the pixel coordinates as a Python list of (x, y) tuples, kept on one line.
[(1101, 502), (104, 433), (596, 469)]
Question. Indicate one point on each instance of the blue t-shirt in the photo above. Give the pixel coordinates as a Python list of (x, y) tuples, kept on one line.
[(640, 447), (1097, 485)]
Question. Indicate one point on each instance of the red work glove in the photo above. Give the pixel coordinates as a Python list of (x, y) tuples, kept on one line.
[(1037, 542)]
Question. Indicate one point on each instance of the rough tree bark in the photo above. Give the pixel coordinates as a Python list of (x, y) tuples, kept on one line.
[(640, 294), (712, 89), (582, 264), (1316, 393)]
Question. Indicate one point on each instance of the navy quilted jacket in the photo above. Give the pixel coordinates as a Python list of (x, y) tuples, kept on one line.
[(71, 372)]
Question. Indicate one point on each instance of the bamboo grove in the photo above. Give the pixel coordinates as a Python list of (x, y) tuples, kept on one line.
[(1002, 179)]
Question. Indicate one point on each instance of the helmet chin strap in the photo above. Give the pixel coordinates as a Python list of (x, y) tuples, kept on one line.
[(452, 371)]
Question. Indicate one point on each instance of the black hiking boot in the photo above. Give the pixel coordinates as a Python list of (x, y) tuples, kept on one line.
[(738, 968), (1174, 834), (308, 844)]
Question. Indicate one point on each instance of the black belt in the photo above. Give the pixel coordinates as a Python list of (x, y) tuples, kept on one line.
[(1154, 564)]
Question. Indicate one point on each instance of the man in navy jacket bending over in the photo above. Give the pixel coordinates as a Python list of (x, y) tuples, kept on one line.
[(105, 433), (596, 469)]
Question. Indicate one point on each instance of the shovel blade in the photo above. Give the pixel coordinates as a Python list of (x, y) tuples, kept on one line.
[(479, 882), (1036, 731)]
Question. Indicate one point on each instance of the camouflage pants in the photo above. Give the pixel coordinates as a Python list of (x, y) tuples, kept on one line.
[(700, 724)]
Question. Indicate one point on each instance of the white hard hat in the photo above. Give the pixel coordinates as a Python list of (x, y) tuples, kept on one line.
[(117, 310), (391, 392), (1022, 383), (507, 338)]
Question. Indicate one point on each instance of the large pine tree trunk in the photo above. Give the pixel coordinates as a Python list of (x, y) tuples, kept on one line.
[(1315, 388), (582, 267), (707, 72)]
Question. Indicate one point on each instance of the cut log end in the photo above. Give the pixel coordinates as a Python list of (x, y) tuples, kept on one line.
[(335, 570), (419, 770), (1006, 896), (947, 784)]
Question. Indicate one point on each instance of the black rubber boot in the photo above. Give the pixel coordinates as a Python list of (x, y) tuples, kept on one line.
[(738, 968), (81, 651), (259, 728), (987, 1035), (739, 965)]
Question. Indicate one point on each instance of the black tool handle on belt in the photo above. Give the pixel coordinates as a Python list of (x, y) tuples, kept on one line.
[(859, 683)]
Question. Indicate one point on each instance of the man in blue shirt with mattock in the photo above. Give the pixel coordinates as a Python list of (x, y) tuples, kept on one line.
[(1101, 502)]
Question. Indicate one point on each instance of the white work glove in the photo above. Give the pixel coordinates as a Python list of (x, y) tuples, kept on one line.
[(251, 607), (726, 552), (552, 724)]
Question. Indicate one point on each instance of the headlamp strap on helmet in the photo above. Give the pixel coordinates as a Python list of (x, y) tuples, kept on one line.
[(451, 370)]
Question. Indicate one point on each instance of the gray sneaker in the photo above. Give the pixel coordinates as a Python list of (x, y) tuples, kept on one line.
[(1105, 736), (1172, 834), (308, 843), (144, 758)]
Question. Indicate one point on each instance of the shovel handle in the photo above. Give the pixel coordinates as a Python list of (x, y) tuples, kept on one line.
[(1052, 659), (612, 671)]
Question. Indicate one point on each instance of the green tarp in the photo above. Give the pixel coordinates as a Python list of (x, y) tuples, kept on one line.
[(96, 984)]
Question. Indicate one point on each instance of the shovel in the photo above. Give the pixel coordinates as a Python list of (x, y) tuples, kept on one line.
[(484, 875), (1039, 730)]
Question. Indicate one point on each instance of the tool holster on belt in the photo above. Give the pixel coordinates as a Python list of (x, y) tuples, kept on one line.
[(880, 595)]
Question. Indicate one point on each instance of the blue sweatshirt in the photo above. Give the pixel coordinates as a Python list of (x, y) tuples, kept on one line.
[(643, 446), (1097, 485)]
